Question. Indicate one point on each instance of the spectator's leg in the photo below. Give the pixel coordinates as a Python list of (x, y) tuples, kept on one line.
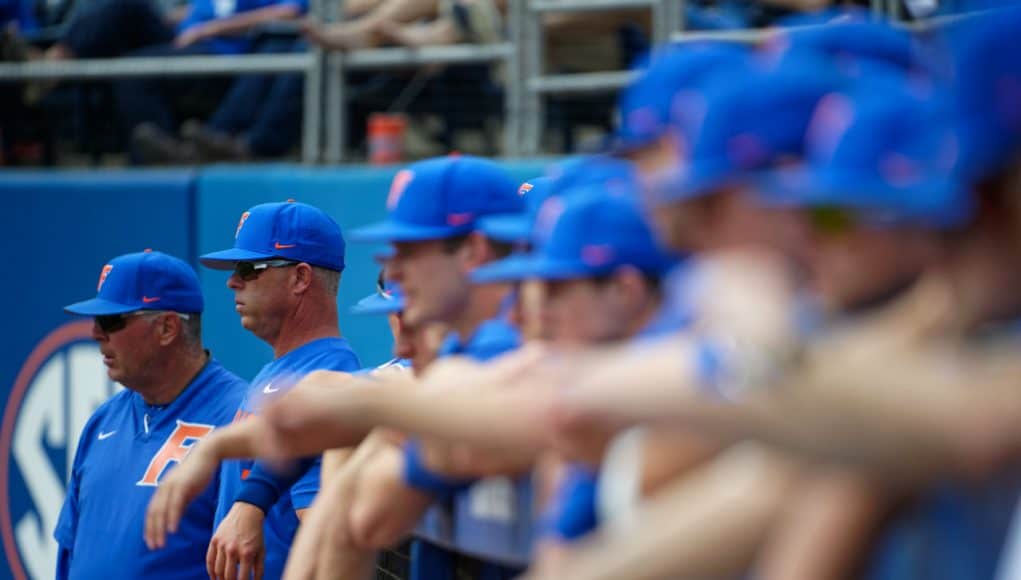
[(364, 32), (144, 100), (146, 111), (239, 108), (278, 126), (273, 124), (109, 28)]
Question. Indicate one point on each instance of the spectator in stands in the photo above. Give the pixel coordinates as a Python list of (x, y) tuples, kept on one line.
[(111, 28), (397, 22), (258, 118)]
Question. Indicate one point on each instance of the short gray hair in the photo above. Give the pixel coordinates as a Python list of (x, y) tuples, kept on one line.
[(330, 279), (191, 329)]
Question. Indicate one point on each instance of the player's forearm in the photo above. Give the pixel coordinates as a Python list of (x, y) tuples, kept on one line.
[(325, 411), (235, 441), (491, 418), (624, 385)]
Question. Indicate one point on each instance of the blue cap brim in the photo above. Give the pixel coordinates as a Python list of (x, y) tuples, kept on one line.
[(506, 228), (225, 259), (391, 231), (692, 182), (384, 254), (934, 202), (624, 144), (98, 307), (523, 267), (376, 304)]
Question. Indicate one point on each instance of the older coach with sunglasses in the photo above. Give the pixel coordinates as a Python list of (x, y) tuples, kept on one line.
[(148, 325), (286, 265)]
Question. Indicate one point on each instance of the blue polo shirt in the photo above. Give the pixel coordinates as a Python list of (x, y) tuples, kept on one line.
[(125, 449), (203, 11), (242, 479)]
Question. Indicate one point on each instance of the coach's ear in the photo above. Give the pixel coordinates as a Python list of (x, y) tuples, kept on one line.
[(301, 278), (168, 328)]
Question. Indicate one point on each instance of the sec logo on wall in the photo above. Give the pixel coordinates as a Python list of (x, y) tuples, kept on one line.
[(59, 385)]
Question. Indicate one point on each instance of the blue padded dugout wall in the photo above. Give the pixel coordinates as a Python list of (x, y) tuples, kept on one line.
[(60, 229)]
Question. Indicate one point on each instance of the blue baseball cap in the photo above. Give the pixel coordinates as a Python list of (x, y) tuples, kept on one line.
[(143, 281), (891, 155), (590, 233), (386, 300), (742, 124), (516, 227), (442, 198), (287, 230), (645, 105), (613, 174), (849, 43), (988, 91)]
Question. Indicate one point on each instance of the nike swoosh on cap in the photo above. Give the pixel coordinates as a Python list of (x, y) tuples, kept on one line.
[(147, 300), (280, 246)]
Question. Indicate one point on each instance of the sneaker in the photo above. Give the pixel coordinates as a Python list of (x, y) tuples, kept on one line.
[(152, 146), (212, 145)]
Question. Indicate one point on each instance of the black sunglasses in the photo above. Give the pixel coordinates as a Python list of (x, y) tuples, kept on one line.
[(110, 323), (832, 221), (249, 271)]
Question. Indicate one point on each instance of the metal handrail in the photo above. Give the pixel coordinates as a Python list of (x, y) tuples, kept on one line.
[(106, 68)]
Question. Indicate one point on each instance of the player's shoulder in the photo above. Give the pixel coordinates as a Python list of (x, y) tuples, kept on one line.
[(109, 410), (225, 380), (120, 400), (330, 354)]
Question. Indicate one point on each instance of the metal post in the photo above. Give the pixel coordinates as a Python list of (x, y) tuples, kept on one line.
[(335, 108), (313, 111), (533, 111), (876, 6), (513, 82), (664, 22)]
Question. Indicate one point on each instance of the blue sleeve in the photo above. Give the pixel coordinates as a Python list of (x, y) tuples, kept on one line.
[(264, 486), (420, 477), (67, 522), (201, 11), (63, 563), (573, 511), (711, 366), (306, 488)]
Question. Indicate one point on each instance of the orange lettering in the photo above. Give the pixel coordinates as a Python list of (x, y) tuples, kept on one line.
[(174, 450)]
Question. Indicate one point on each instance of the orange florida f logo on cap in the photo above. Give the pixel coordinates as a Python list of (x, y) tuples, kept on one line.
[(397, 187), (102, 276), (241, 223)]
